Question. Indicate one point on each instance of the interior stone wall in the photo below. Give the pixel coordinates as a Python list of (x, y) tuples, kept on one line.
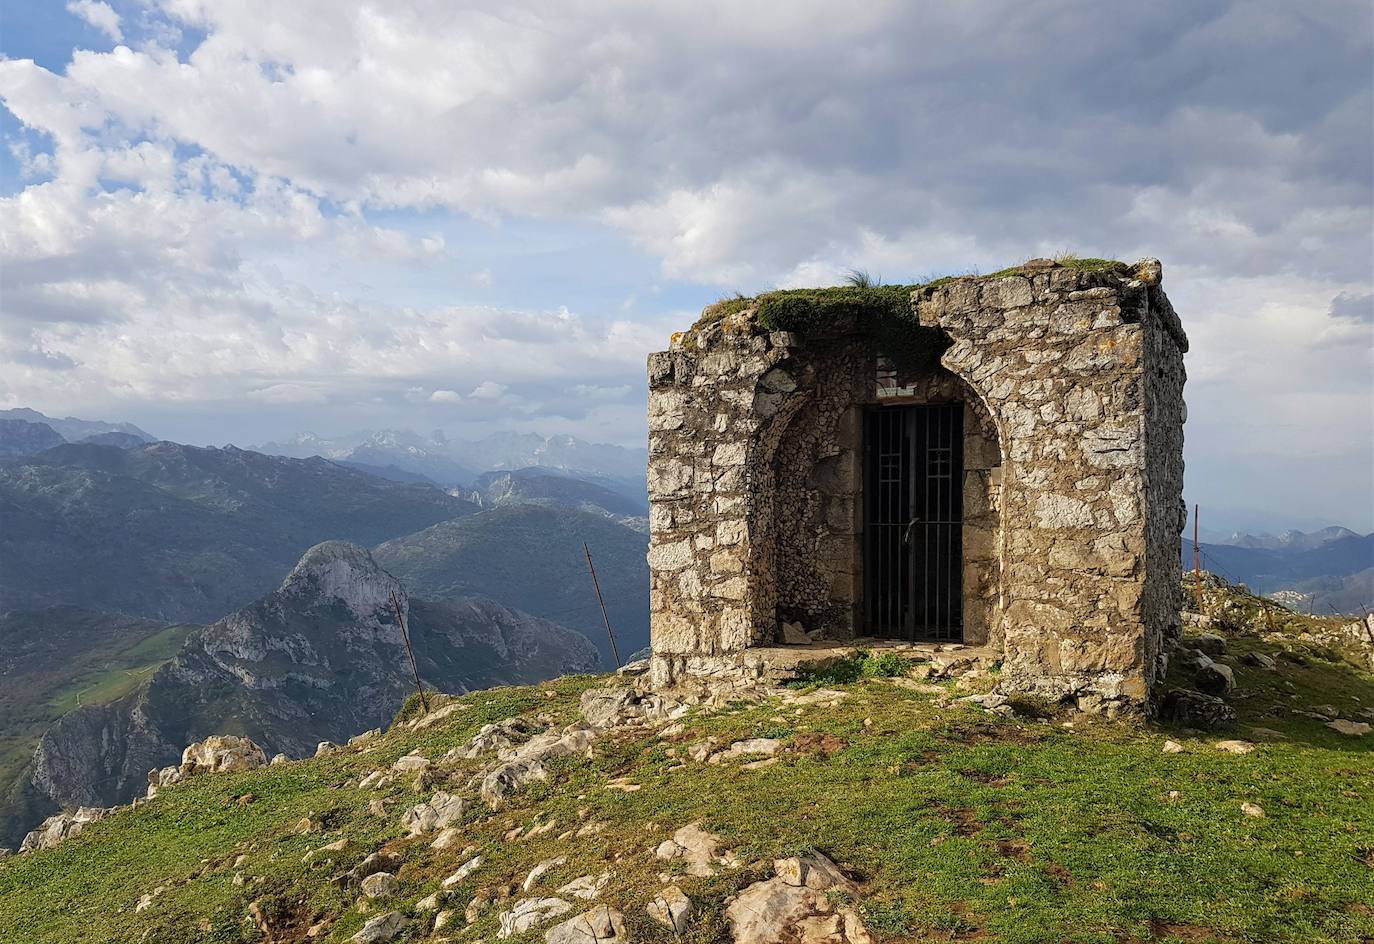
[(1072, 384)]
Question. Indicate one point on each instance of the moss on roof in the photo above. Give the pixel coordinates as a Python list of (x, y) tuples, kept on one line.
[(900, 336)]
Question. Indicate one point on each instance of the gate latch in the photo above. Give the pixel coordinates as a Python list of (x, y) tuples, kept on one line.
[(906, 535)]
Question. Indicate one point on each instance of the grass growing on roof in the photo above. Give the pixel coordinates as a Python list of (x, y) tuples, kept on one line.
[(863, 298)]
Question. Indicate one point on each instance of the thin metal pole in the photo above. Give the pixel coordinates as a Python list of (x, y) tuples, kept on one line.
[(405, 638), (1197, 560), (597, 585)]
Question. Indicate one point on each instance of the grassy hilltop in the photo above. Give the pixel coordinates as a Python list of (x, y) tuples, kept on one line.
[(957, 824)]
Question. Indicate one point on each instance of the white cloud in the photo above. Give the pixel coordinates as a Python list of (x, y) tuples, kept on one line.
[(204, 226), (100, 15), (289, 393), (488, 390)]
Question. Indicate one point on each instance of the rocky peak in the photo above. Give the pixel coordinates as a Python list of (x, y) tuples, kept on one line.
[(339, 571)]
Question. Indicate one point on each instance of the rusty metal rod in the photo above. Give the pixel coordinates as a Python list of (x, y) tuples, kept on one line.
[(405, 638), (615, 654)]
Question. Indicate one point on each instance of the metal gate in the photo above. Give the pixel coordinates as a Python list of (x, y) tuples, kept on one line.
[(913, 500)]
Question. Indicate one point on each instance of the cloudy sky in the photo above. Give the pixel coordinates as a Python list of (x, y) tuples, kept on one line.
[(230, 220)]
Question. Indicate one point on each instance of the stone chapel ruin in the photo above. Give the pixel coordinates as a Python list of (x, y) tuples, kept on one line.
[(988, 461)]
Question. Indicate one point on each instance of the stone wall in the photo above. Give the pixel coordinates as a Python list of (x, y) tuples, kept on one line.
[(1071, 379)]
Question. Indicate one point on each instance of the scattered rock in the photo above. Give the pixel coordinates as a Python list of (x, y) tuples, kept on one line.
[(671, 908), (616, 707), (411, 763), (62, 826), (220, 753), (502, 735), (1350, 728), (325, 748), (428, 903), (324, 852), (541, 869), (440, 709), (379, 885), (699, 849), (636, 667), (826, 697), (601, 924), (1260, 661), (477, 907), (1234, 746), (586, 887), (1214, 678), (793, 634), (360, 739), (1268, 734), (443, 919), (382, 860), (441, 810), (380, 929), (798, 905), (747, 748), (448, 836), (1211, 643), (279, 759), (146, 902), (1195, 710), (525, 764), (529, 913), (464, 870), (1252, 810), (1173, 747)]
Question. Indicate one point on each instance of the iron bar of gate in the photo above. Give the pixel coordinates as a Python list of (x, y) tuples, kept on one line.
[(1197, 560), (597, 585), (405, 638)]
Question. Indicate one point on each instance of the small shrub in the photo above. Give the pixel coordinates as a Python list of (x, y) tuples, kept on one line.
[(859, 278), (863, 665)]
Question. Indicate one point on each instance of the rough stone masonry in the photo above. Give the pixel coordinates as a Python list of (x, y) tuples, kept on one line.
[(1069, 378)]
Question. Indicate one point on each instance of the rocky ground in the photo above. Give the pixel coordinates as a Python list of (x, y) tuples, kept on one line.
[(868, 804)]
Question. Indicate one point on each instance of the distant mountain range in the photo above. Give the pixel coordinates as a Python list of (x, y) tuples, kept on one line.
[(319, 658), (1330, 570), (533, 554), (538, 486), (72, 429), (25, 432), (459, 463), (182, 533)]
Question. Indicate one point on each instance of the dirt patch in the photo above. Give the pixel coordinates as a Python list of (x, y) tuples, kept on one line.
[(1017, 849), (819, 744), (1059, 873), (991, 780), (962, 818)]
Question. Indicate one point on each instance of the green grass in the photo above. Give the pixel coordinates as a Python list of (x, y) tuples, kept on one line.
[(959, 824), (863, 298), (122, 674), (864, 664)]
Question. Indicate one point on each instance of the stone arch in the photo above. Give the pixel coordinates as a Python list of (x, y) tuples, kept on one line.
[(985, 467)]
